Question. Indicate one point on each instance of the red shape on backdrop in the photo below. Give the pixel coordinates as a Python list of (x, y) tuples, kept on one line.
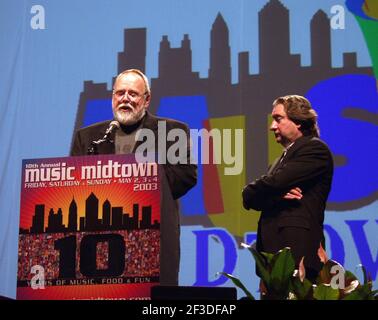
[(211, 185)]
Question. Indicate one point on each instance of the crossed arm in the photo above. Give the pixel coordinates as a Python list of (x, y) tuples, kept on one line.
[(286, 183), (293, 194)]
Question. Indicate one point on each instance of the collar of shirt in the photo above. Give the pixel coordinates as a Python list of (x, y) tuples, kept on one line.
[(288, 147)]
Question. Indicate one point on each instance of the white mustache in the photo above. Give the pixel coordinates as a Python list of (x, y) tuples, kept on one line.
[(124, 105)]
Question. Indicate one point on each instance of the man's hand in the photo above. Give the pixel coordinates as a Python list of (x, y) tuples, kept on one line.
[(294, 193)]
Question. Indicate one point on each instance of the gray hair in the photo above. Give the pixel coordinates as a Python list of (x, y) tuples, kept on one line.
[(139, 73)]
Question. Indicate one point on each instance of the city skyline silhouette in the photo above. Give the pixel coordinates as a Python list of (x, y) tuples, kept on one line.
[(113, 218), (280, 73)]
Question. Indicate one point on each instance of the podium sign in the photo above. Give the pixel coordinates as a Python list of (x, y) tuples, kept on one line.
[(89, 228)]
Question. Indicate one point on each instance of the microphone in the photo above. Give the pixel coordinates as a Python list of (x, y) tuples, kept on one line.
[(113, 126)]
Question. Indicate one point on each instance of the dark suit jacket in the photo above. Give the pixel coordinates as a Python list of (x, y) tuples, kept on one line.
[(179, 177), (308, 165)]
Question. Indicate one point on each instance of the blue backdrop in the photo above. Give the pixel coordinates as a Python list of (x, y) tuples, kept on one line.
[(228, 59)]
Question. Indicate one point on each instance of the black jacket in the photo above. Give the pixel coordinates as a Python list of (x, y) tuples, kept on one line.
[(308, 165), (180, 178)]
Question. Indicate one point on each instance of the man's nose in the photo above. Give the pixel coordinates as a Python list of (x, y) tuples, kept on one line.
[(125, 97), (273, 126)]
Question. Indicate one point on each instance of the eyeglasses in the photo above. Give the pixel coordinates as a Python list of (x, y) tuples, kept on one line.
[(132, 95)]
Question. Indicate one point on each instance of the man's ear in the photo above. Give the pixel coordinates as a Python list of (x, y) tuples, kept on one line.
[(147, 101)]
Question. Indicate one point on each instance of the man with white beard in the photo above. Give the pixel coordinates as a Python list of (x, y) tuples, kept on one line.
[(131, 97), (130, 100)]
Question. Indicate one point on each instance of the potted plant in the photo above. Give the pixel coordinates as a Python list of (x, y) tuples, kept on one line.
[(281, 281)]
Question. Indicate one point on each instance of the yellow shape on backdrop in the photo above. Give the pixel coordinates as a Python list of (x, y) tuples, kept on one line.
[(370, 7)]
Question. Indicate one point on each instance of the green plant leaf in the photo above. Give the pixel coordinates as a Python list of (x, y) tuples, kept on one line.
[(282, 269), (326, 292), (366, 290), (363, 292), (239, 284), (349, 277), (268, 256), (261, 266), (354, 295), (302, 290)]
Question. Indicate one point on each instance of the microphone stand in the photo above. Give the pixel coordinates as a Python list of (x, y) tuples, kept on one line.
[(92, 149)]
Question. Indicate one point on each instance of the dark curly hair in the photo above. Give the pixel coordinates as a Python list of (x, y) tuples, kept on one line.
[(300, 111)]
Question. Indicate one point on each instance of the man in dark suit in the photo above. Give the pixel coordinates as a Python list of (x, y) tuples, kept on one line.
[(131, 98), (293, 194)]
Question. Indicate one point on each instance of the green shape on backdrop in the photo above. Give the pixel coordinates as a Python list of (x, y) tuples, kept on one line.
[(370, 31)]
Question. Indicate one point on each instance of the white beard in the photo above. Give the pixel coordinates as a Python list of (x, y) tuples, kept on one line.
[(128, 118)]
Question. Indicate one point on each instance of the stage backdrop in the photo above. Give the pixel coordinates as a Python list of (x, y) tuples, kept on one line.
[(212, 64)]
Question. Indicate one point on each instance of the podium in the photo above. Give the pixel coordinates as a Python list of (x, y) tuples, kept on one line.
[(95, 227)]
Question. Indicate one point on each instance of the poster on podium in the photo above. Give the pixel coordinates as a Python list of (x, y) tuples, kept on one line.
[(89, 228)]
